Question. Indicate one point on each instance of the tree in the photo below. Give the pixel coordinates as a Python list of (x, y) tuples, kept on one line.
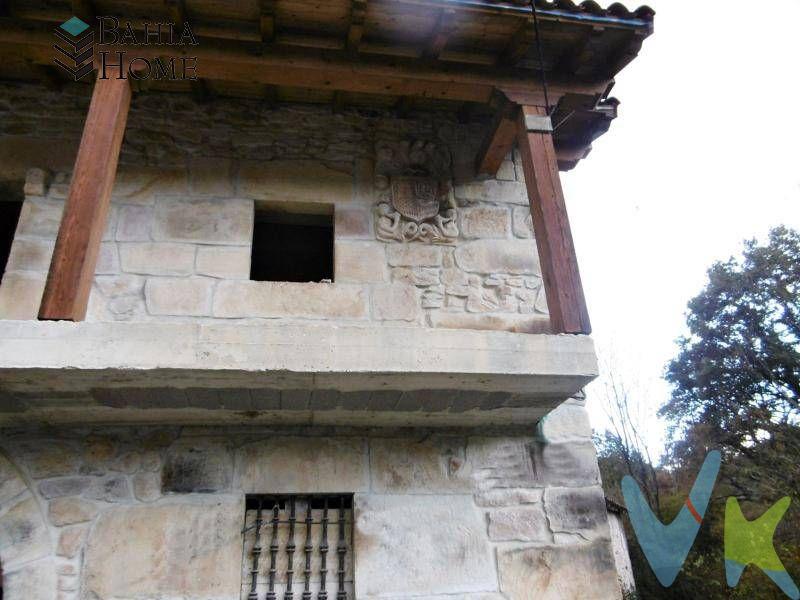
[(737, 373)]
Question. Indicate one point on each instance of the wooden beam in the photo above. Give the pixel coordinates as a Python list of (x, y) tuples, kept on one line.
[(572, 60), (267, 20), (177, 14), (499, 141), (329, 70), (83, 9), (72, 268), (444, 27), (358, 13), (518, 46), (50, 76), (562, 282)]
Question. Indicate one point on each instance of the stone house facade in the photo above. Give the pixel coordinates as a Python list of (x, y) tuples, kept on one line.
[(408, 423)]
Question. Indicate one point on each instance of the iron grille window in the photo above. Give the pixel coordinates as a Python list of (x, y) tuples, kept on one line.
[(298, 547)]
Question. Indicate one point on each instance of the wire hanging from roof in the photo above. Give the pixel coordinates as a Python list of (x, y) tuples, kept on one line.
[(541, 55)]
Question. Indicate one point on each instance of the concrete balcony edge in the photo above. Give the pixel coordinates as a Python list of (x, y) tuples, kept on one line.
[(65, 371)]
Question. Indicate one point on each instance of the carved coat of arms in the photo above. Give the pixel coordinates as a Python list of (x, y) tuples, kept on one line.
[(411, 177), (416, 198)]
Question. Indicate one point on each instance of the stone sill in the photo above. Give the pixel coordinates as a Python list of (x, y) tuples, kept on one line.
[(59, 371)]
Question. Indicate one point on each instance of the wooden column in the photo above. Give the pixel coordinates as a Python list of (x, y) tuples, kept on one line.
[(69, 281), (562, 281)]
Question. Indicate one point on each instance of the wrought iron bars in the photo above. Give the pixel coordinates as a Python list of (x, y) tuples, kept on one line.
[(289, 513)]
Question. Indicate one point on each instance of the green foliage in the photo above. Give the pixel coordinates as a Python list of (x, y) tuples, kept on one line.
[(737, 374), (736, 388)]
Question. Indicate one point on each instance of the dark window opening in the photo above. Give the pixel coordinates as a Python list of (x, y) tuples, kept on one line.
[(9, 217), (298, 546), (292, 247)]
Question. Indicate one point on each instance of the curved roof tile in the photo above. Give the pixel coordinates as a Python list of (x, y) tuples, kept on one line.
[(616, 10)]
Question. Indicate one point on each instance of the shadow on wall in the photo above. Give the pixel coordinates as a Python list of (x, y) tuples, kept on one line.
[(25, 542)]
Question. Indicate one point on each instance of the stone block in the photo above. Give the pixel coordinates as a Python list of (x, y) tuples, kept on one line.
[(414, 255), (134, 223), (63, 486), (509, 192), (493, 498), (516, 257), (360, 262), (352, 224), (500, 463), (30, 255), (568, 465), (71, 510), (204, 221), (483, 322), (558, 572), (48, 458), (523, 222), (299, 181), (395, 302), (33, 580), (566, 423), (178, 297), (23, 533), (211, 176), (223, 262), (435, 465), (284, 465), (419, 276), (71, 539), (197, 467), (271, 299), (188, 548), (506, 171), (107, 259), (141, 185), (438, 543), (36, 182), (577, 514), (485, 222), (40, 218), (157, 258), (519, 524), (110, 489), (147, 486), (11, 484)]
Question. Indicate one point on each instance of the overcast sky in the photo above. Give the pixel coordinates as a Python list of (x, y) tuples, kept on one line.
[(705, 153)]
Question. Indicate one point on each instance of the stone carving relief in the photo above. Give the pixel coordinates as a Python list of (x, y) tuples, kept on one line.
[(413, 182)]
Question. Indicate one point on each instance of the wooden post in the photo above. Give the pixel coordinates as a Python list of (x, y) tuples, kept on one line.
[(562, 281), (69, 281)]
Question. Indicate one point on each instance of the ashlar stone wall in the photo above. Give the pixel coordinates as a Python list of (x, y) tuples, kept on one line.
[(178, 239), (157, 513)]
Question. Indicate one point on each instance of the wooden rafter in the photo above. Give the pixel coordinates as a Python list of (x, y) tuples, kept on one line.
[(500, 139), (358, 13), (177, 13), (83, 9), (69, 281), (562, 282), (267, 20), (518, 46), (571, 61), (445, 25)]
